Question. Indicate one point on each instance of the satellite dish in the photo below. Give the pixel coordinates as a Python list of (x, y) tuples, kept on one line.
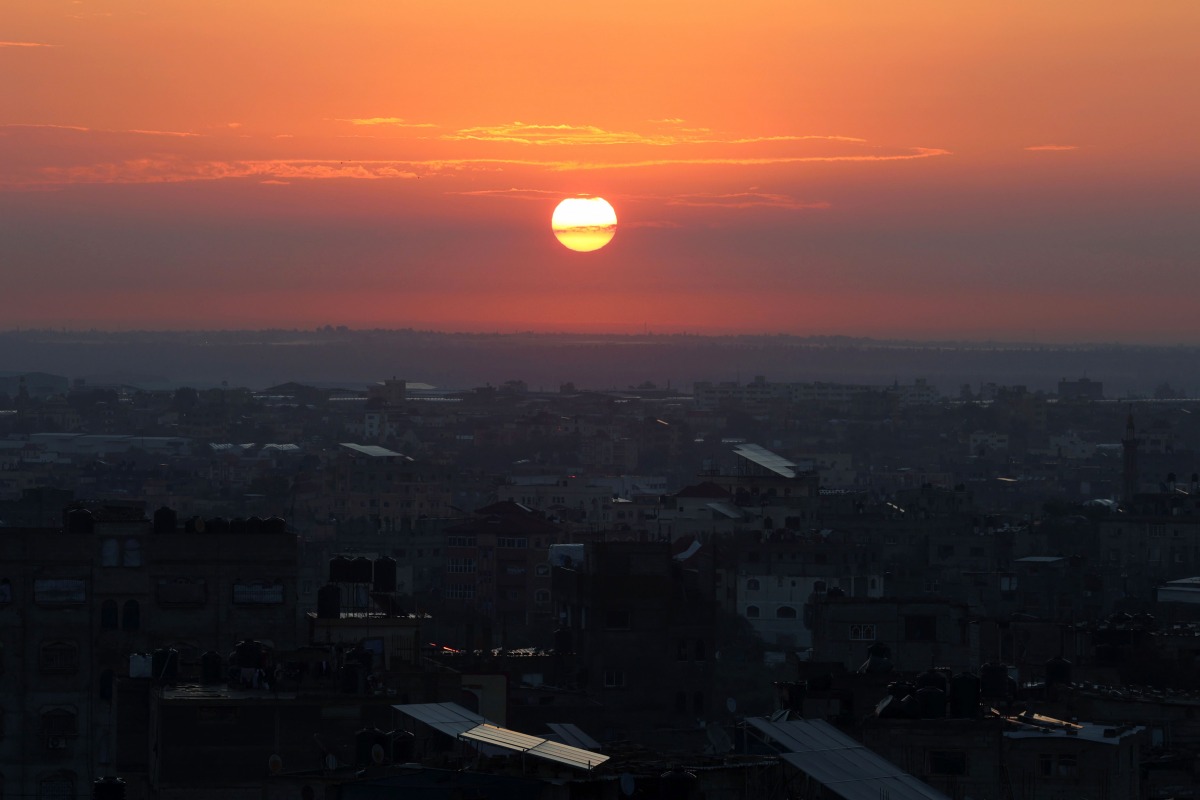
[(331, 761), (730, 704), (377, 753), (627, 787), (275, 764)]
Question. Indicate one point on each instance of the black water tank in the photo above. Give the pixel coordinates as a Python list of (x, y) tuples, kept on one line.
[(383, 577), (402, 746), (108, 788), (340, 571), (879, 650), (164, 664), (964, 696), (212, 668), (218, 525), (193, 525), (275, 525), (361, 570), (248, 653), (329, 601), (677, 784), (254, 526), (993, 680), (365, 741), (237, 526), (931, 677), (80, 520), (932, 702), (1058, 670), (165, 520)]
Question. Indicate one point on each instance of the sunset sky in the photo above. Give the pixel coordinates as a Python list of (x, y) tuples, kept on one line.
[(926, 169)]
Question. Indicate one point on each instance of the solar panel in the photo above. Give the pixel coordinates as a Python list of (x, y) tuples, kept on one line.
[(764, 458), (448, 718), (573, 735)]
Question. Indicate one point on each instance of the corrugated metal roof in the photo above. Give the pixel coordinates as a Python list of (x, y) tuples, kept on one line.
[(572, 735), (766, 459), (454, 720), (373, 450), (840, 764), (448, 718)]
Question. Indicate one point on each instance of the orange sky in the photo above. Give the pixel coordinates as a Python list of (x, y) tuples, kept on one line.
[(931, 169)]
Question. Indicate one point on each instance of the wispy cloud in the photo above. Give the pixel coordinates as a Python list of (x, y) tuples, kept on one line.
[(1052, 147), (518, 194), (26, 44), (85, 129), (393, 122), (745, 200), (171, 170), (566, 135), (914, 153)]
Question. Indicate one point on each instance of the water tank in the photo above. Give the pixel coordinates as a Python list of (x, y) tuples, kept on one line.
[(165, 520), (1058, 670), (248, 654), (329, 601), (365, 741), (80, 520), (339, 570), (108, 788), (212, 668), (564, 642), (275, 525), (901, 689), (993, 680), (964, 696), (254, 526), (879, 650), (193, 525), (931, 678), (677, 784), (237, 526), (164, 664), (932, 702), (383, 577), (361, 570), (402, 746), (218, 525)]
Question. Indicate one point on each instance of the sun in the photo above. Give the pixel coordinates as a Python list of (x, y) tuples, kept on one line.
[(584, 224)]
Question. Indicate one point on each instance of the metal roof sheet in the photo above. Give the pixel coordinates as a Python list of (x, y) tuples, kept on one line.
[(454, 720), (448, 718), (840, 764), (766, 459)]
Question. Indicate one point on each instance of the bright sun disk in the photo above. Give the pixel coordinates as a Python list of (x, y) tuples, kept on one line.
[(584, 224)]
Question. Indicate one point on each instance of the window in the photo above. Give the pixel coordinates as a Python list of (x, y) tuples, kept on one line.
[(460, 565), (862, 632), (1061, 765), (460, 592), (785, 612), (699, 651), (460, 541), (258, 593), (59, 727), (106, 686), (58, 657), (681, 650), (698, 702), (542, 570), (752, 612), (614, 679), (108, 615), (512, 543), (110, 553), (132, 555), (59, 786), (6, 591), (947, 762), (752, 585), (541, 596), (59, 592), (181, 592), (920, 628), (680, 702), (131, 616)]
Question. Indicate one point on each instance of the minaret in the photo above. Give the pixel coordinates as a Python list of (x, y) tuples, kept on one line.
[(1130, 473)]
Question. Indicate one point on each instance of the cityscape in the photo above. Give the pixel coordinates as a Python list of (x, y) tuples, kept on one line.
[(401, 589), (772, 400)]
